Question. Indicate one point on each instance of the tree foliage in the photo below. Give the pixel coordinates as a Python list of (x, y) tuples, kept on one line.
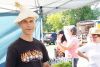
[(80, 14), (56, 21)]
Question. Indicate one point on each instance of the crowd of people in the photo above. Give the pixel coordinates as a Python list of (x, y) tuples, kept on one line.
[(67, 43), (68, 46)]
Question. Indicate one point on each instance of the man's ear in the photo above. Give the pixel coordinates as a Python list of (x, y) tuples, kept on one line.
[(18, 24)]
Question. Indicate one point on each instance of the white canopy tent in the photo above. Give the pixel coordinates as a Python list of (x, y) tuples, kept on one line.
[(47, 6), (42, 7)]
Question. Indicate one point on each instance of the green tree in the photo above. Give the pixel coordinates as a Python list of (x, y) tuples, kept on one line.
[(56, 21), (75, 15)]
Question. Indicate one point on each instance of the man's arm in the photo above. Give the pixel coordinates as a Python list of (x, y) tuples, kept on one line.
[(45, 56), (82, 55), (46, 64)]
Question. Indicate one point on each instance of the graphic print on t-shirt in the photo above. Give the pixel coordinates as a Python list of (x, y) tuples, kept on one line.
[(31, 56)]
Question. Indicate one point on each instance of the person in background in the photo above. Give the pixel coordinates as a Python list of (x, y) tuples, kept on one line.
[(72, 44), (92, 49), (89, 36), (27, 51), (53, 38), (61, 40)]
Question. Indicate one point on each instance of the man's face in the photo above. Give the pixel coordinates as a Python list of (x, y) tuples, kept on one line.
[(27, 25), (96, 38)]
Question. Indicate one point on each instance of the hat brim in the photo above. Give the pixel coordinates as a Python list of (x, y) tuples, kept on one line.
[(25, 14), (95, 31)]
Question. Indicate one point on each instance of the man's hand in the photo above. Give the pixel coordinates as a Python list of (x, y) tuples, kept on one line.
[(46, 64)]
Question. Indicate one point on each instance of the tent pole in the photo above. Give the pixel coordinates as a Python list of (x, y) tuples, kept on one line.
[(41, 23)]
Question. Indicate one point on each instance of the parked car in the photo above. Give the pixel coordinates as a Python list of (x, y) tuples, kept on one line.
[(53, 38), (46, 38), (50, 38)]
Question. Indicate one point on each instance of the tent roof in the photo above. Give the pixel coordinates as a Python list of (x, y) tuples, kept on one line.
[(46, 6)]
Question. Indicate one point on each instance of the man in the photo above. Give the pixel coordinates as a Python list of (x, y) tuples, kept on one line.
[(92, 49), (27, 51)]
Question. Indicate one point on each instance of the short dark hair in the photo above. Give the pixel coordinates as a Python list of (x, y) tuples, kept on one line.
[(73, 30)]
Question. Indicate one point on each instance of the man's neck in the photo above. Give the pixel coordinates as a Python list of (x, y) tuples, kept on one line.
[(27, 37)]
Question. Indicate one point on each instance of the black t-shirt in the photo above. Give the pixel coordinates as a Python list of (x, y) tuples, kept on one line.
[(26, 54)]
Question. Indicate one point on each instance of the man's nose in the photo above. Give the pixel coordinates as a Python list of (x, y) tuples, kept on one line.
[(28, 24)]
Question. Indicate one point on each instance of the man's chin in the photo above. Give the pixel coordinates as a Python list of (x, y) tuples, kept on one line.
[(29, 33)]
